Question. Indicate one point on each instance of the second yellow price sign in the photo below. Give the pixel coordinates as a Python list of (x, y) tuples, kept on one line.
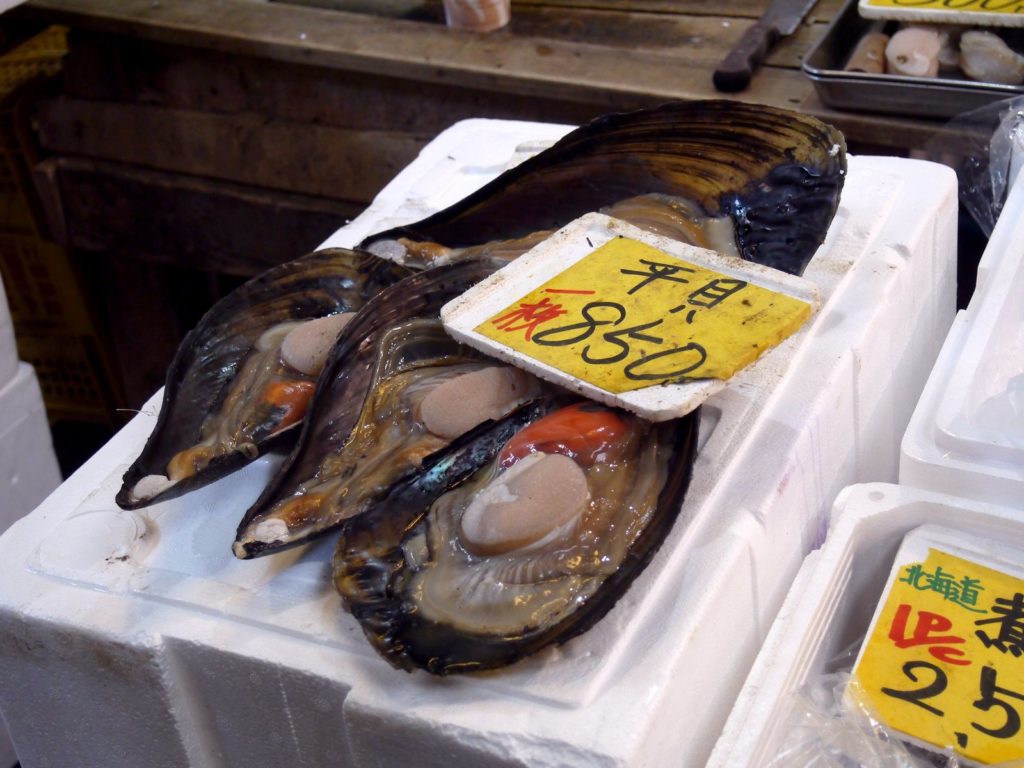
[(944, 660)]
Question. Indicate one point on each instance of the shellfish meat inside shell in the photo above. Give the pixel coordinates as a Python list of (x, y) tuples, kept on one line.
[(363, 432), (243, 378), (544, 525), (427, 389)]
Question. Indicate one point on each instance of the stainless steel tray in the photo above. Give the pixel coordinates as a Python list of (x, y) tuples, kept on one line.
[(893, 94)]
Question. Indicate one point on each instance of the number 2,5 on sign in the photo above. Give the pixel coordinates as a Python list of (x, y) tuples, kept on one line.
[(944, 662), (629, 316)]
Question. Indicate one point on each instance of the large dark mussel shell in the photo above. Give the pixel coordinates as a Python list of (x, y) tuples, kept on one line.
[(342, 390), (382, 553), (777, 174), (201, 374)]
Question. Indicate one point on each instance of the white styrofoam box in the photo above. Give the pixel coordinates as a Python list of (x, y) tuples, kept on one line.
[(8, 345), (966, 436), (475, 151), (28, 467), (188, 656), (833, 599)]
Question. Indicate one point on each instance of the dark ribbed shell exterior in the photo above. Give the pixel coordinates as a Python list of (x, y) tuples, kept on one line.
[(778, 174)]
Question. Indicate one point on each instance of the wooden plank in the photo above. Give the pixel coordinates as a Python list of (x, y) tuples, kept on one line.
[(246, 148), (113, 68), (185, 221), (414, 52), (679, 39), (750, 9), (676, 30), (823, 10), (552, 68), (138, 297)]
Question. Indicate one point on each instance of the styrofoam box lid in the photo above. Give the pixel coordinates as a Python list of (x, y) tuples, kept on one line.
[(967, 433), (834, 597), (775, 447)]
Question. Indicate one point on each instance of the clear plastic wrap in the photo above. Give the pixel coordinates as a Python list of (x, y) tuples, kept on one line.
[(829, 726), (986, 146)]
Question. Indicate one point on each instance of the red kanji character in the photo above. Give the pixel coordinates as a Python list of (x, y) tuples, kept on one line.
[(927, 624), (529, 316)]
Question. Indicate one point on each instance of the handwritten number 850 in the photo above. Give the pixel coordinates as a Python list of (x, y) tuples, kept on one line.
[(988, 699), (674, 362)]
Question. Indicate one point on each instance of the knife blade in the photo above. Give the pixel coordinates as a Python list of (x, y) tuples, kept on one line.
[(781, 19)]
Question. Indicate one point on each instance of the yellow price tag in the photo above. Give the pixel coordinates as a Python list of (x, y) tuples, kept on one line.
[(629, 315), (958, 6), (945, 661)]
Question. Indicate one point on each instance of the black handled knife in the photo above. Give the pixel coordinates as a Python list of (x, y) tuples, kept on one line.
[(781, 19)]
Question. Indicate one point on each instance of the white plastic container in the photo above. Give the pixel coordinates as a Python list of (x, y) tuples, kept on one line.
[(833, 599), (966, 436), (187, 656)]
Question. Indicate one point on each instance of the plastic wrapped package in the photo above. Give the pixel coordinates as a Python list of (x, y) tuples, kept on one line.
[(825, 731), (987, 148), (829, 726)]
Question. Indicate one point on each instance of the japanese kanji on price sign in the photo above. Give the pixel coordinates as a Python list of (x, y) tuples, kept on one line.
[(944, 662), (629, 318)]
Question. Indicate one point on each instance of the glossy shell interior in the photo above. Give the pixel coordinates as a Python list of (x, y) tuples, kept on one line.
[(425, 602), (212, 354), (345, 385)]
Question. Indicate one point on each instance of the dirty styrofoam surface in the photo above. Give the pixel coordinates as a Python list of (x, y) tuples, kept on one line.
[(966, 436), (188, 656), (833, 600)]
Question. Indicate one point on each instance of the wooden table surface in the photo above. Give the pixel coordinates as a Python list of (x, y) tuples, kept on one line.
[(611, 53)]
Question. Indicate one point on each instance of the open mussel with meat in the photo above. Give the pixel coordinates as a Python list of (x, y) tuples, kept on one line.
[(244, 376), (396, 390), (726, 175), (761, 180), (472, 537), (524, 533)]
